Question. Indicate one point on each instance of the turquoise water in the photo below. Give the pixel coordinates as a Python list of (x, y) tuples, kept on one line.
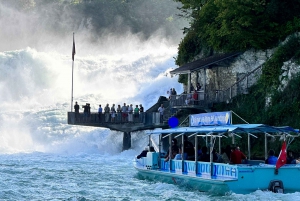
[(40, 176)]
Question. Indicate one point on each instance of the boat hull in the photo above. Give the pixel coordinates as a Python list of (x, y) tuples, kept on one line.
[(218, 178)]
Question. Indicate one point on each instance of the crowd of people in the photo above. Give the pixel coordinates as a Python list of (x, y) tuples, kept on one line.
[(126, 113), (190, 98), (231, 155)]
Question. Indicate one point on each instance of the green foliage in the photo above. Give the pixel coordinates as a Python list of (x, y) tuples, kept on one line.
[(272, 68), (189, 47), (239, 24), (183, 78)]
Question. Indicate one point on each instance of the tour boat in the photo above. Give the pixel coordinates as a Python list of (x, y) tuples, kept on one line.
[(221, 178)]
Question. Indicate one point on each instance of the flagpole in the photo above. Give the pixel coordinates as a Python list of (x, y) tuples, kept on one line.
[(73, 53), (72, 87)]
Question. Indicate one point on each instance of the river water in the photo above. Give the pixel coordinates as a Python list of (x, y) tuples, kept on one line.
[(92, 176)]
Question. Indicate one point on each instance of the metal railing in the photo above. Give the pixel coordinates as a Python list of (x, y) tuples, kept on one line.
[(217, 96), (239, 87)]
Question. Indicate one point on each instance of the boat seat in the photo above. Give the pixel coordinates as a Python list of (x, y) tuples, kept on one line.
[(152, 160)]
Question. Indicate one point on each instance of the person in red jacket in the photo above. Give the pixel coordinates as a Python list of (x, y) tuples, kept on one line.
[(237, 156), (195, 97)]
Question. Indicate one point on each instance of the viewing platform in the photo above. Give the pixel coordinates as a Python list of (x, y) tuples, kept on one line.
[(148, 120)]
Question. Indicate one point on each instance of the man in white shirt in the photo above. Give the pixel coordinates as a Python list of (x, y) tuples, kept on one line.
[(161, 110)]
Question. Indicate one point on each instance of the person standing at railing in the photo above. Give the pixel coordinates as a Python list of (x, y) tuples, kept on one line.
[(106, 112), (174, 93), (198, 87), (161, 110), (76, 108), (195, 97), (141, 113), (188, 99), (119, 114), (136, 113), (85, 112), (130, 113), (113, 113), (124, 113), (99, 113)]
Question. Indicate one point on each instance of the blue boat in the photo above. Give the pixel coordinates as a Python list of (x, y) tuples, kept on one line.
[(221, 178)]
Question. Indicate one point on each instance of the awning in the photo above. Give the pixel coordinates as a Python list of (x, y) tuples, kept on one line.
[(236, 128), (202, 63)]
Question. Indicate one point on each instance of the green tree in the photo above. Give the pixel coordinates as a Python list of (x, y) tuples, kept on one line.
[(239, 24)]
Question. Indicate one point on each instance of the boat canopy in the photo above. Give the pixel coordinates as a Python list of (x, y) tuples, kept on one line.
[(233, 128)]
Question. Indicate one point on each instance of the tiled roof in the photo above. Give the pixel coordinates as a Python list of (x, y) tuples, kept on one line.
[(202, 63)]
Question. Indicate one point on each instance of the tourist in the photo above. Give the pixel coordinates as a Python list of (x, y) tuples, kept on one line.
[(151, 149), (189, 151), (161, 110), (76, 108), (106, 112), (237, 156), (85, 112), (195, 97), (130, 113), (113, 113), (141, 113), (143, 153), (174, 93), (99, 113), (119, 114), (198, 87), (204, 156), (272, 159), (188, 100), (290, 158), (124, 113), (224, 156), (89, 111), (173, 148), (136, 113)]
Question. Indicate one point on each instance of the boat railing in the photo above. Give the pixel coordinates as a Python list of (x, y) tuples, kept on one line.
[(204, 169)]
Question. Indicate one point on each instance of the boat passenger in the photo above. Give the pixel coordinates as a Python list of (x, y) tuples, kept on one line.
[(175, 150), (224, 157), (216, 156), (290, 158), (189, 151), (151, 149), (204, 156), (237, 156), (143, 153), (272, 159)]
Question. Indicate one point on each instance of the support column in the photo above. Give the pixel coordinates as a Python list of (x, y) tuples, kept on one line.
[(189, 83), (204, 84), (126, 141)]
